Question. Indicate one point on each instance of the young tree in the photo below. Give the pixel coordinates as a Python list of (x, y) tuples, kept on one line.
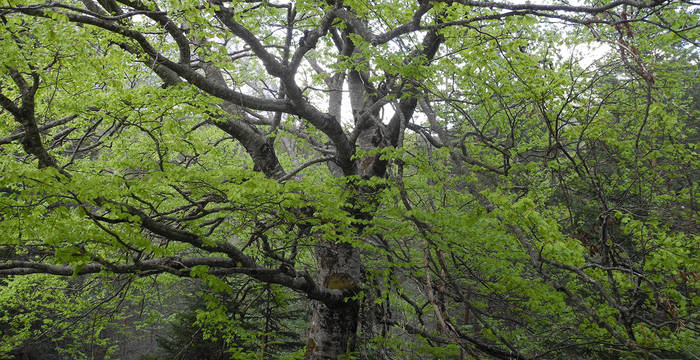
[(472, 163)]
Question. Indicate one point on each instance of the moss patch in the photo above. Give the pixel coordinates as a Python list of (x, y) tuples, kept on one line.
[(310, 347), (340, 281)]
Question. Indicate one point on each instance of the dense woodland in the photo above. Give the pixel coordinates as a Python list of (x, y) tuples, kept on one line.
[(349, 179)]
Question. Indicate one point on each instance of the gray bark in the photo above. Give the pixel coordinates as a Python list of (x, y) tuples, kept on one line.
[(334, 325)]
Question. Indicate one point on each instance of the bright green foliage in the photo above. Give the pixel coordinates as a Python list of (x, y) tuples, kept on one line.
[(53, 318), (505, 181)]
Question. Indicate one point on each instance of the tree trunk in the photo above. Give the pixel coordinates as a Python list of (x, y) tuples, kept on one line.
[(334, 325)]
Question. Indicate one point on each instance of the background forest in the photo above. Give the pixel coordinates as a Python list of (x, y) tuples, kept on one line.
[(357, 179)]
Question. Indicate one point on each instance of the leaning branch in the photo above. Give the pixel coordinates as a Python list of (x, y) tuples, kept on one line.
[(565, 8), (486, 349), (183, 70), (299, 281)]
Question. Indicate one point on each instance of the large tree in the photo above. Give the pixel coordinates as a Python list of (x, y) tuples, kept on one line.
[(466, 172)]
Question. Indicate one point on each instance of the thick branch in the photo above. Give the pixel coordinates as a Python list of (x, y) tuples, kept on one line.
[(300, 282), (25, 115), (183, 267), (183, 70), (359, 28), (567, 8), (20, 134), (273, 66), (169, 25), (430, 46)]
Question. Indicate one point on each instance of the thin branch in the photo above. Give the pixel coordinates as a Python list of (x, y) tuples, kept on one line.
[(304, 166)]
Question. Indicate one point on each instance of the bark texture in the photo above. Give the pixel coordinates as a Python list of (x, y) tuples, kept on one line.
[(334, 325)]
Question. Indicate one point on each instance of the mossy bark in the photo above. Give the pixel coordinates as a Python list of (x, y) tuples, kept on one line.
[(334, 326)]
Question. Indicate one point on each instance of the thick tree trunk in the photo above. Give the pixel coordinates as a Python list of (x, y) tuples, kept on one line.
[(333, 332), (334, 325)]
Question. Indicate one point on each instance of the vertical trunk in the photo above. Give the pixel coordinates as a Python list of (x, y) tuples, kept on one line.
[(334, 325)]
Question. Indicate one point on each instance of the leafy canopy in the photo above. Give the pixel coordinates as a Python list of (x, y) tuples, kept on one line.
[(460, 178)]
